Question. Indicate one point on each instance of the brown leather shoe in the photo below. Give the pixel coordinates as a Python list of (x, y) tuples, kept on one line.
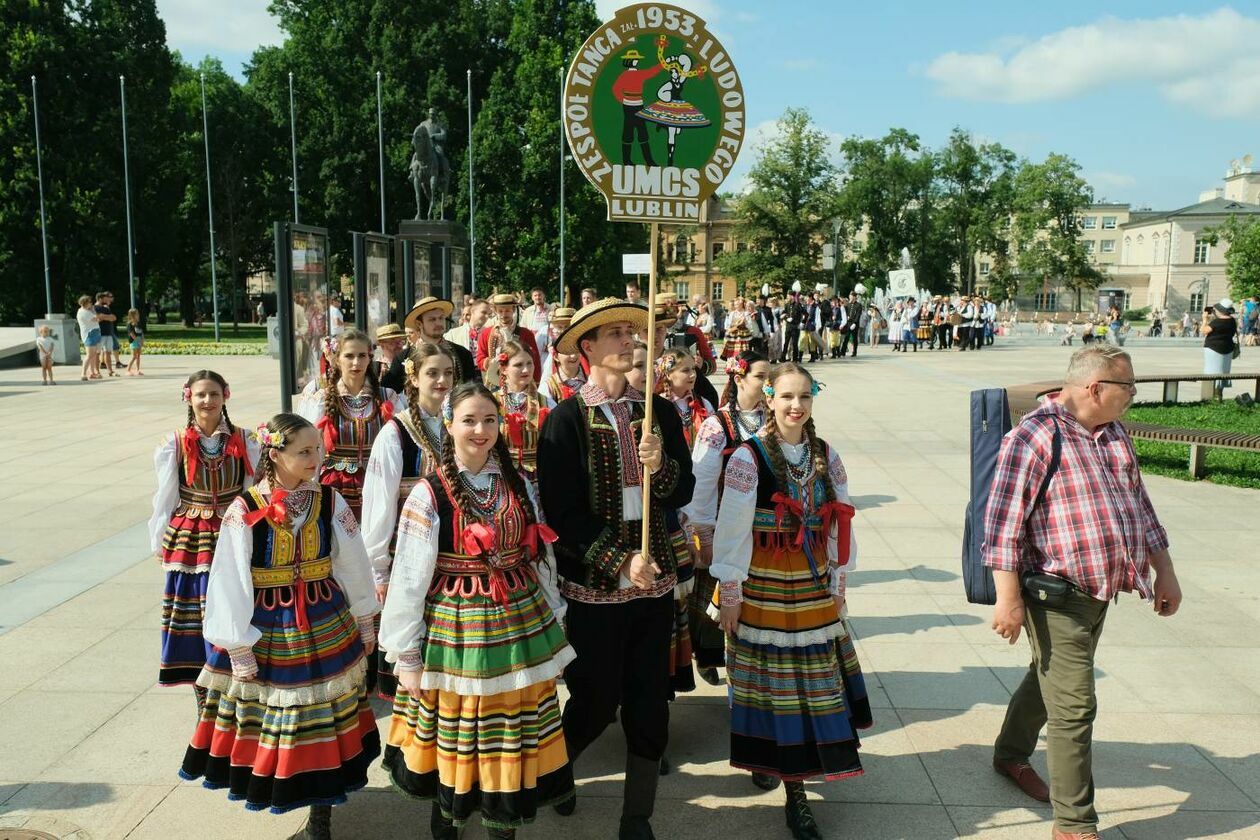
[(1055, 834), (1023, 775)]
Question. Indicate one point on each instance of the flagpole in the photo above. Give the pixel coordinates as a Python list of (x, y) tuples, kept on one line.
[(214, 277), (131, 249), (561, 298), (380, 144), (472, 219), (645, 527), (43, 217), (293, 142)]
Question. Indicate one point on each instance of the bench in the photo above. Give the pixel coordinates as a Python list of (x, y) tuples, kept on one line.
[(1024, 398), (1207, 389)]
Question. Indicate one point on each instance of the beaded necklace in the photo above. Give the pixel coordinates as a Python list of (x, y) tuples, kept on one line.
[(484, 501), (800, 469), (749, 428)]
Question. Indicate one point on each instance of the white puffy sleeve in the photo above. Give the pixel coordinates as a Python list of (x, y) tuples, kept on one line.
[(230, 589), (312, 405), (380, 499), (415, 559), (706, 465), (548, 575), (733, 539), (253, 451), (398, 400), (166, 497), (350, 561), (839, 479)]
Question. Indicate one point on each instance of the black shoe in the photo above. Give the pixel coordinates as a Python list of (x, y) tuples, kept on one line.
[(710, 675), (635, 828), (665, 766), (800, 819), (501, 833), (442, 827), (318, 825), (567, 807), (765, 781)]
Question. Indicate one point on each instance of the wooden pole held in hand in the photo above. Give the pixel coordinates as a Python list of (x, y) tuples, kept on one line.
[(645, 530)]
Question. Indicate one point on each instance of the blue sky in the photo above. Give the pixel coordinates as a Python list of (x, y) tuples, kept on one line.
[(1153, 99)]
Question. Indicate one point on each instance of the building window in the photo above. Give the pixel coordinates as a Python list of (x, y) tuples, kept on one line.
[(984, 268), (1088, 245), (1046, 300), (1108, 246), (718, 248), (1089, 222), (1201, 247), (682, 289), (719, 290), (1157, 249), (1196, 303), (1109, 223), (1128, 248), (741, 247)]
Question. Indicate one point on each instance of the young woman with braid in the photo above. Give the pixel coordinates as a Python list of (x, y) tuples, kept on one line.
[(676, 382), (349, 411), (524, 408), (407, 449), (739, 418), (780, 599), (200, 470), (473, 619), (289, 608)]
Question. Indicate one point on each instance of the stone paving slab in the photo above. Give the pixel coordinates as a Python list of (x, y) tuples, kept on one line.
[(89, 745)]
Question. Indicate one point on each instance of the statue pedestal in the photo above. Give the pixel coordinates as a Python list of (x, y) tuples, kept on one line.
[(65, 331), (430, 258)]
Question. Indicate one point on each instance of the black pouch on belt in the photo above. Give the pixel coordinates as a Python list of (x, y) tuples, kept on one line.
[(1047, 590)]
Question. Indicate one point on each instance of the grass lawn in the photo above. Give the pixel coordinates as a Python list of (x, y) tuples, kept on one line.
[(1223, 466), (178, 340)]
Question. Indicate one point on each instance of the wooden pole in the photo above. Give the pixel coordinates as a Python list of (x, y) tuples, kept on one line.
[(645, 531)]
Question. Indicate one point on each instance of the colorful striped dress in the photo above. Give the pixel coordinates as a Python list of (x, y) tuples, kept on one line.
[(474, 602), (198, 477), (790, 634), (348, 437), (300, 732), (405, 451), (523, 417)]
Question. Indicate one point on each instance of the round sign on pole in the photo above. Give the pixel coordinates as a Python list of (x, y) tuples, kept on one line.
[(654, 113)]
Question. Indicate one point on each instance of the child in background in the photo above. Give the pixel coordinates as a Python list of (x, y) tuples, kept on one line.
[(44, 346), (135, 338)]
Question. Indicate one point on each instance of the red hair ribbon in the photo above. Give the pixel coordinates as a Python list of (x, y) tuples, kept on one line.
[(387, 411), (236, 448), (329, 429), (192, 452), (533, 533), (274, 512), (841, 515), (783, 505)]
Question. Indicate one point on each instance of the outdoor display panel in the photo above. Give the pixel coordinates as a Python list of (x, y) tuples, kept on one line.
[(372, 281), (302, 298)]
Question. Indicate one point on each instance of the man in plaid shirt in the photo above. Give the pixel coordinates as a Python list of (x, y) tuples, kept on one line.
[(1096, 529)]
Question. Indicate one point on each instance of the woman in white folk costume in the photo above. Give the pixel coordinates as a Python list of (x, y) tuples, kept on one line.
[(349, 411), (780, 599), (523, 406), (200, 470), (407, 449), (289, 609), (740, 416), (473, 618), (552, 378)]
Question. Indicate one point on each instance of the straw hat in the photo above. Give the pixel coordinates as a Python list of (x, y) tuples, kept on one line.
[(665, 315), (562, 316), (424, 305), (593, 315), (666, 299), (503, 299), (387, 331)]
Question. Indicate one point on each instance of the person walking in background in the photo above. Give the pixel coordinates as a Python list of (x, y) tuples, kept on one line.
[(44, 344), (107, 321), (135, 341), (90, 330), (853, 317), (1219, 343), (1060, 551), (538, 316)]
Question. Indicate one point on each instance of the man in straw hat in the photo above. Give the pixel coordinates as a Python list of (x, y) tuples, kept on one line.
[(591, 460), (428, 319), (507, 329), (562, 373), (390, 341)]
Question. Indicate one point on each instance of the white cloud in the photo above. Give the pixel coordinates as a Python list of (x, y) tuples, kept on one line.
[(224, 26), (1205, 62), (1109, 184)]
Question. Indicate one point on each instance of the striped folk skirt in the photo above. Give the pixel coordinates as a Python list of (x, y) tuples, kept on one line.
[(796, 689), (484, 734), (681, 677), (348, 484), (301, 732), (184, 649)]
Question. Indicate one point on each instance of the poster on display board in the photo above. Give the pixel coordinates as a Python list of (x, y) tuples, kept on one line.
[(302, 295)]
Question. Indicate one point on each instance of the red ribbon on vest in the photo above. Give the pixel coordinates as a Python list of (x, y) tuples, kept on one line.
[(275, 512), (542, 415), (478, 538), (783, 505), (534, 533), (191, 452), (328, 428), (236, 448), (841, 515), (516, 429)]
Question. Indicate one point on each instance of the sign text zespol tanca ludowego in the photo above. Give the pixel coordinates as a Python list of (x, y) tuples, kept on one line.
[(654, 113)]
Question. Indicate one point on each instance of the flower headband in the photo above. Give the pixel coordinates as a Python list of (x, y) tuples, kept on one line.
[(814, 388), (266, 437), (736, 366), (409, 366), (329, 346), (665, 364), (448, 410), (187, 392), (503, 358)]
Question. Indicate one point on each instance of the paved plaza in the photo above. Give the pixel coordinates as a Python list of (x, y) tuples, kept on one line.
[(89, 746)]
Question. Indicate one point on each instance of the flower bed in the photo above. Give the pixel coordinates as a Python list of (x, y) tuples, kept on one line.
[(158, 347)]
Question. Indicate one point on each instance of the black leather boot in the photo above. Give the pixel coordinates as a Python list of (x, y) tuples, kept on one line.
[(318, 824), (639, 798), (800, 819), (501, 833), (765, 781), (666, 767), (442, 828)]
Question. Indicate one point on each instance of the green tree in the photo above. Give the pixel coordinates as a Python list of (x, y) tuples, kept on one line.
[(1048, 199), (1242, 261), (975, 186), (787, 214)]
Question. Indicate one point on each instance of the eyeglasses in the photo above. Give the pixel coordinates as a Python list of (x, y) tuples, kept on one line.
[(1130, 384)]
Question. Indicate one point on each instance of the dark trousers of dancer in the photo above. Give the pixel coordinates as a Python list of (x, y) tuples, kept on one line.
[(792, 343), (977, 337), (850, 334), (964, 337), (633, 127), (944, 336)]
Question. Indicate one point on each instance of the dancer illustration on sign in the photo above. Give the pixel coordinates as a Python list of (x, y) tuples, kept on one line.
[(628, 88), (671, 111)]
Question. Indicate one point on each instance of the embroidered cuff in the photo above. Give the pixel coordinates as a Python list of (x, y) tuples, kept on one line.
[(731, 593), (704, 533), (380, 577), (665, 479), (604, 560), (244, 665), (409, 660), (838, 582), (367, 629)]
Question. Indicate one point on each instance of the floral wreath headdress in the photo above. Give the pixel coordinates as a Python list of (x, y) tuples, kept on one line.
[(268, 438), (736, 366), (814, 388), (666, 364)]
